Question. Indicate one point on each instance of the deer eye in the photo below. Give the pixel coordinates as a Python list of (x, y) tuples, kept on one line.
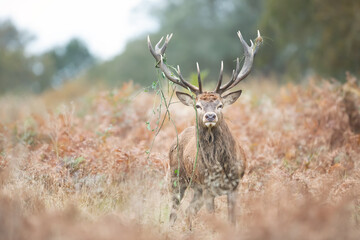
[(220, 106), (198, 106)]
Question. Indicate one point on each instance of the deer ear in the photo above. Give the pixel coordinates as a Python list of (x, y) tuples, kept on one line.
[(230, 98), (185, 98)]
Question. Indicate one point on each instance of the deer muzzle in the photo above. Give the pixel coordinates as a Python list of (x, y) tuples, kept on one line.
[(210, 119)]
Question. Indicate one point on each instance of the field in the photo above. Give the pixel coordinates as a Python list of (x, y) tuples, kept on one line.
[(83, 170)]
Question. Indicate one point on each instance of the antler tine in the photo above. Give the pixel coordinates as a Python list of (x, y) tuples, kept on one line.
[(158, 44), (220, 77), (186, 84), (249, 53), (158, 54), (199, 77), (233, 74), (167, 40), (232, 79), (151, 47), (258, 41), (237, 66)]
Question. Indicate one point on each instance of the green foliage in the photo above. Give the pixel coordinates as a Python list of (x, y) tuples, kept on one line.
[(301, 37), (73, 163), (28, 134), (193, 79), (134, 64), (311, 35), (338, 46), (15, 67), (69, 60)]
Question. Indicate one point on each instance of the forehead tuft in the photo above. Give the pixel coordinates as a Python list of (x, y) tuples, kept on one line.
[(209, 97)]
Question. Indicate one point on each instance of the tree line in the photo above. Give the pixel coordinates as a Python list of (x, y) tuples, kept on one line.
[(301, 37), (22, 72)]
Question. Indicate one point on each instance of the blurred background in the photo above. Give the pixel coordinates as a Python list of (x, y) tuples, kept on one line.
[(46, 45), (84, 148)]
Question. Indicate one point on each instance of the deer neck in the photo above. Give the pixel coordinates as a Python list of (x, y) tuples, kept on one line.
[(216, 144)]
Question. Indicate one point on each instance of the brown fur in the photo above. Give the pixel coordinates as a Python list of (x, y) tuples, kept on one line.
[(220, 163), (208, 96)]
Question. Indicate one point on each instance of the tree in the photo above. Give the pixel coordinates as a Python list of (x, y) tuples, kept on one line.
[(312, 36), (15, 68), (338, 47), (204, 32), (21, 72), (301, 37), (69, 60)]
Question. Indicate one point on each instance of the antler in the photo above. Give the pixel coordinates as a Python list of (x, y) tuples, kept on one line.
[(238, 75), (158, 54)]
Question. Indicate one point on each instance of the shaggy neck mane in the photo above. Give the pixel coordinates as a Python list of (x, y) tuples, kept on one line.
[(216, 145)]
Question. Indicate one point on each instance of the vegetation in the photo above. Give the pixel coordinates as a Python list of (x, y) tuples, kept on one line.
[(312, 36), (24, 73), (302, 38), (81, 171), (91, 169)]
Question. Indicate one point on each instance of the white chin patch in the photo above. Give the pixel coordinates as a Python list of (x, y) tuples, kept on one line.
[(210, 124)]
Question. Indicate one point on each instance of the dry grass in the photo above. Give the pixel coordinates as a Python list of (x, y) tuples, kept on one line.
[(81, 171)]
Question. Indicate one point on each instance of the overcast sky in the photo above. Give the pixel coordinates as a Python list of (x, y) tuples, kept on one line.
[(105, 25)]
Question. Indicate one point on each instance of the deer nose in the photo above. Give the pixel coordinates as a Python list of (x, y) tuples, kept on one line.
[(210, 117)]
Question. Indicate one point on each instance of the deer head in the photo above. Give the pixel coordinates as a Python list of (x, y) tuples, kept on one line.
[(209, 104)]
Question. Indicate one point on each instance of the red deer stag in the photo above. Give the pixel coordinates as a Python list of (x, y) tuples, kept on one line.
[(221, 161)]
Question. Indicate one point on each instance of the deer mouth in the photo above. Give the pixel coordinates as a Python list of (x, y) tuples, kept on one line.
[(210, 124)]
